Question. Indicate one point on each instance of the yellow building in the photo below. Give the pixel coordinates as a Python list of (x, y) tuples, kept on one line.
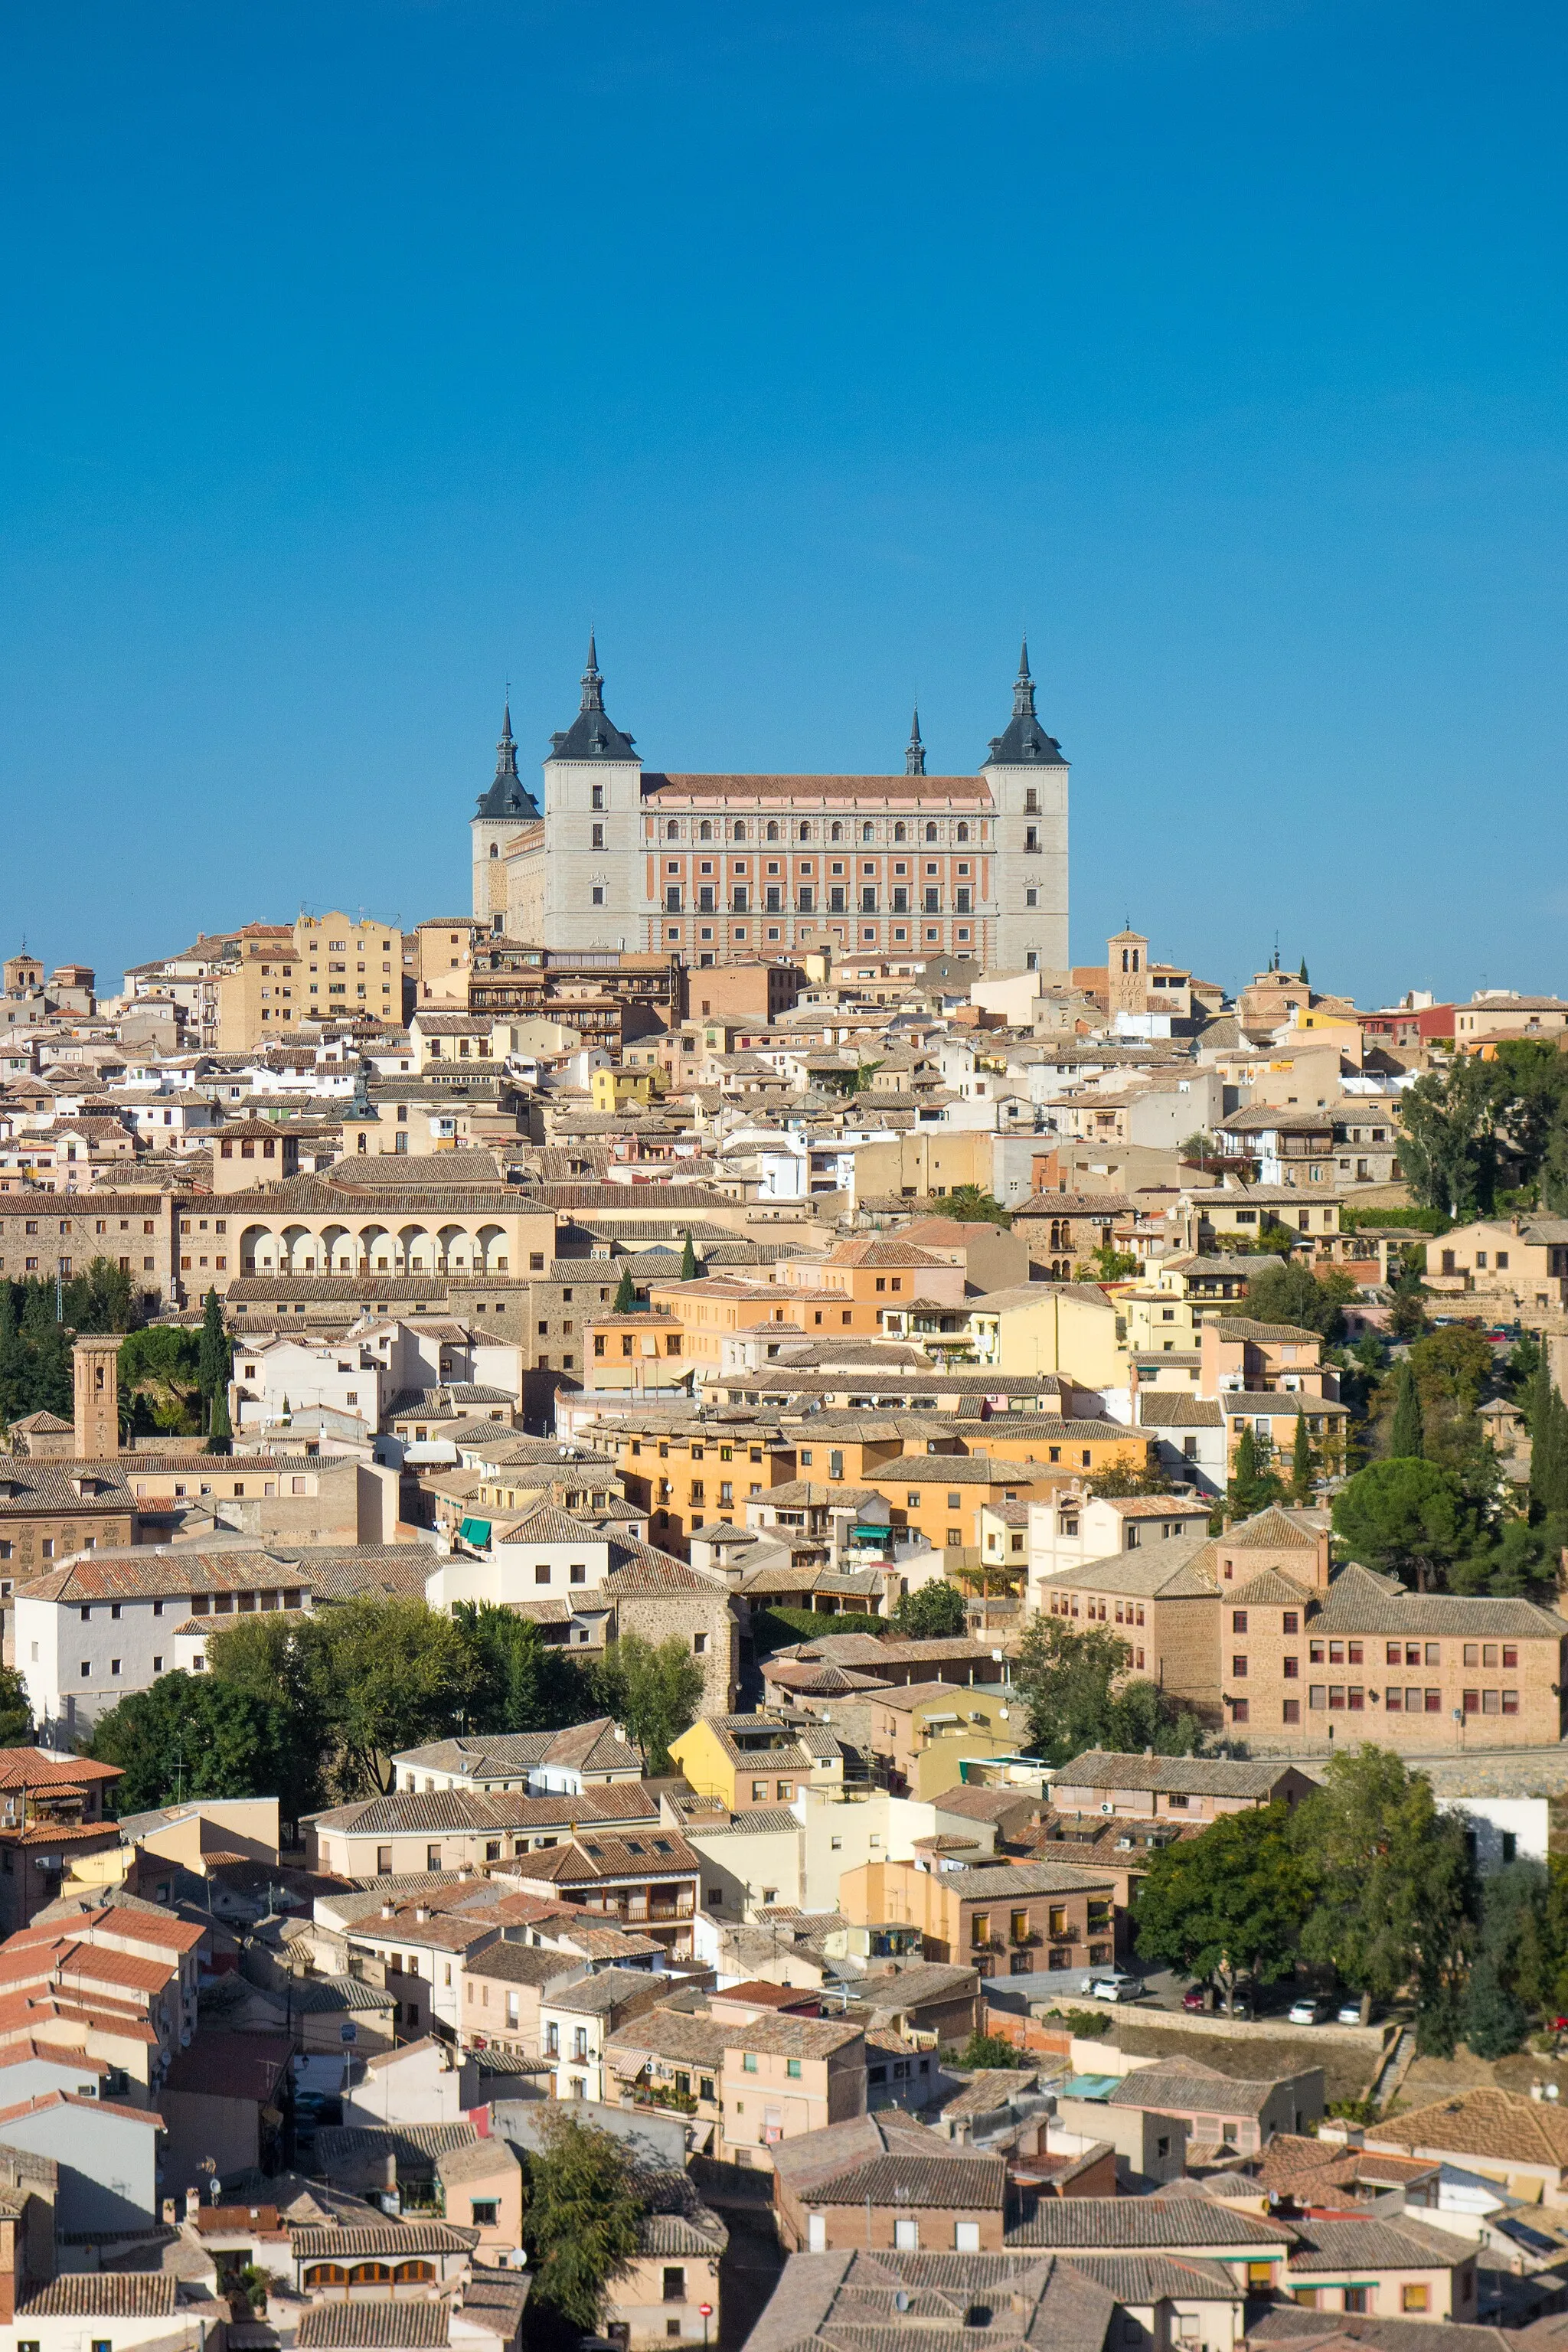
[(613, 1089), (751, 1763), (1051, 1326), (923, 1731), (325, 967), (707, 1310)]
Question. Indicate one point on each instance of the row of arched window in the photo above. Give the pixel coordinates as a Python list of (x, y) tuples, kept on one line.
[(370, 2274), (774, 831)]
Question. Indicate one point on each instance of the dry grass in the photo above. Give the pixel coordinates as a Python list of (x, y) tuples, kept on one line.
[(1348, 2069)]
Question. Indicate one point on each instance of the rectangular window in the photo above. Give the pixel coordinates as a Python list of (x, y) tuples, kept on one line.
[(1292, 1710)]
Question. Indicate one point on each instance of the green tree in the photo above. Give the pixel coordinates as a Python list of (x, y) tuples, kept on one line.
[(15, 1713), (191, 1736), (220, 1431), (1547, 1446), (48, 1353), (984, 2049), (1511, 1972), (102, 1299), (934, 1613), (14, 1376), (1107, 1263), (1405, 1438), (1405, 1518), (1253, 1484), (654, 1692), (969, 1206), (1448, 1147), (1286, 1293), (1392, 1880), (626, 1298), (279, 1662), (688, 1258), (580, 2226), (1072, 1681), (1121, 1477), (215, 1355), (1229, 1905), (517, 1681), (392, 1673), (1301, 1464)]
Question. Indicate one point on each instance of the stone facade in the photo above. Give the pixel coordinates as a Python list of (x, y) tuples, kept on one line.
[(724, 869)]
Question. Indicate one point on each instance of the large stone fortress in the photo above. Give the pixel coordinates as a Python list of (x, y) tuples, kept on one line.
[(722, 869)]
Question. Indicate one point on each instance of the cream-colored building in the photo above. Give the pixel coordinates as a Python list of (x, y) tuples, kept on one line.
[(326, 968)]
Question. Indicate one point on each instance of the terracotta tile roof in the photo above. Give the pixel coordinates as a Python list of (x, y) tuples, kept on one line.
[(1488, 2123), (377, 2325), (1196, 1776), (104, 2295), (393, 2239)]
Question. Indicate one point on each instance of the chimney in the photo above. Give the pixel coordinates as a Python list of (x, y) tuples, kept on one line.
[(170, 2212), (193, 2203), (387, 1911), (420, 1911)]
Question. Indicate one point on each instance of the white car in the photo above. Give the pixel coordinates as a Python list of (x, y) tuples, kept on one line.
[(1114, 1984), (1308, 2013), (1350, 2013)]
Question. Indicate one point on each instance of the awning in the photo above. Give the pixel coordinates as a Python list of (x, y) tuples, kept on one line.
[(475, 1531)]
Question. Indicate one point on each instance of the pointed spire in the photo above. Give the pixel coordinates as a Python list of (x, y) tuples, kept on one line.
[(1024, 686), (593, 683), (915, 751), (506, 750)]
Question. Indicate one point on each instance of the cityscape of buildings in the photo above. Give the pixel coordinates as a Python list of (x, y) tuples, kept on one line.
[(742, 1259)]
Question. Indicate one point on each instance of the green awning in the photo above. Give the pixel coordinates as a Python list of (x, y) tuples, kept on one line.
[(475, 1531)]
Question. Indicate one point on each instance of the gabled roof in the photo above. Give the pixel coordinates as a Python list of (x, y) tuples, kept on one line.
[(1196, 1776)]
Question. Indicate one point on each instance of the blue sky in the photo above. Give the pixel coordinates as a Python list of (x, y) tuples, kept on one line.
[(354, 356)]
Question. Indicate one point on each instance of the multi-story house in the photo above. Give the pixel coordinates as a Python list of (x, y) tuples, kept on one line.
[(1036, 1915), (725, 868)]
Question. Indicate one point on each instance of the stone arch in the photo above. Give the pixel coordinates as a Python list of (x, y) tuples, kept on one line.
[(415, 1250), (255, 1250), (337, 1250), (376, 1250), (297, 1248), (453, 1251), (491, 1250)]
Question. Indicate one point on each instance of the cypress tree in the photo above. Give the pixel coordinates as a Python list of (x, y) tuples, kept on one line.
[(626, 1298), (1301, 1464), (220, 1430), (688, 1259), (213, 1358), (1548, 1448), (1408, 1435)]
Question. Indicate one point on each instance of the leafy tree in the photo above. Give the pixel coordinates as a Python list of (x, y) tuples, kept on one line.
[(1522, 1559), (15, 1713), (14, 1389), (1072, 1681), (688, 1258), (934, 1613), (516, 1680), (967, 1204), (1406, 1437), (186, 1736), (984, 2049), (1301, 1464), (215, 1355), (626, 1298), (102, 1299), (655, 1693), (1107, 1263), (1452, 1366), (580, 2226), (1392, 1881), (1405, 1518), (160, 1376), (1284, 1293), (1121, 1477), (392, 1673), (1252, 1485), (1407, 1308), (47, 1352), (281, 1662), (1229, 1904), (1512, 1972), (1448, 1149)]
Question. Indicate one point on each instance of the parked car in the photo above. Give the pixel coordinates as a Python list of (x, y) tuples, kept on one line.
[(1350, 2014), (1308, 2013), (1196, 1997), (1114, 1984)]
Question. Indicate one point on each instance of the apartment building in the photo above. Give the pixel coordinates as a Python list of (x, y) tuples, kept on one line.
[(1032, 1915)]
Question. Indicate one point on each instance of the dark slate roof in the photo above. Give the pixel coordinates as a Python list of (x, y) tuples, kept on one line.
[(507, 796), (592, 735), (1024, 742)]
